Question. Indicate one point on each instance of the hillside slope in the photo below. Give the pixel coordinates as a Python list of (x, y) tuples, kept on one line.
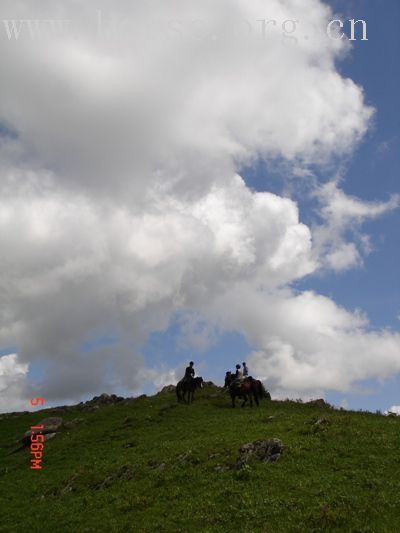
[(150, 464)]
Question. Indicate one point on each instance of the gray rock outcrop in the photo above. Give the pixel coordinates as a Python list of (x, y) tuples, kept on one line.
[(267, 451)]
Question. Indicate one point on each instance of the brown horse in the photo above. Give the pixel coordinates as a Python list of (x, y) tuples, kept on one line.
[(189, 387), (247, 389), (258, 390)]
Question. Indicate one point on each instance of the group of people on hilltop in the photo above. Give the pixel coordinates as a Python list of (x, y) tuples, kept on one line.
[(239, 375)]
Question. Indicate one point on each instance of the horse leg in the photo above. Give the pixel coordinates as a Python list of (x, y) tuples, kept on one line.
[(233, 400), (244, 400), (254, 393), (179, 392), (256, 400)]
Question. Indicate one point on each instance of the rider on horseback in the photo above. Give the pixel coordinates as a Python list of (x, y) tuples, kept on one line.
[(189, 372), (238, 376)]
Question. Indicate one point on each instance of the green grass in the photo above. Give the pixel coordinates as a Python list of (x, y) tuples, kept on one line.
[(152, 465)]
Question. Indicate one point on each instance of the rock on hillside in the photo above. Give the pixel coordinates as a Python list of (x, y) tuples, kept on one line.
[(167, 388)]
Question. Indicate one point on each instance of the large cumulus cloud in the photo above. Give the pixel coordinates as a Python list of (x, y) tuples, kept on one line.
[(121, 202)]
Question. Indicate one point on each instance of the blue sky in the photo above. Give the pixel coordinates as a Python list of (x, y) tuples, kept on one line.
[(373, 173)]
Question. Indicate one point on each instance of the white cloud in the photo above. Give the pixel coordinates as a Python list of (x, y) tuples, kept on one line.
[(340, 214), (343, 257), (13, 384), (395, 409), (340, 208), (176, 112), (196, 333), (161, 377)]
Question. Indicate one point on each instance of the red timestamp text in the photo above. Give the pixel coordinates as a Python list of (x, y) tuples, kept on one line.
[(37, 439)]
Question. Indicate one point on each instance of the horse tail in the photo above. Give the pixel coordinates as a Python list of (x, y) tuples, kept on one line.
[(255, 392), (263, 391)]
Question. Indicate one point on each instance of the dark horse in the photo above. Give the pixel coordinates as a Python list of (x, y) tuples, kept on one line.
[(261, 390), (246, 390), (189, 387)]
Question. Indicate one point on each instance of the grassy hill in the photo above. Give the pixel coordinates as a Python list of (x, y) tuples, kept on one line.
[(148, 464)]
